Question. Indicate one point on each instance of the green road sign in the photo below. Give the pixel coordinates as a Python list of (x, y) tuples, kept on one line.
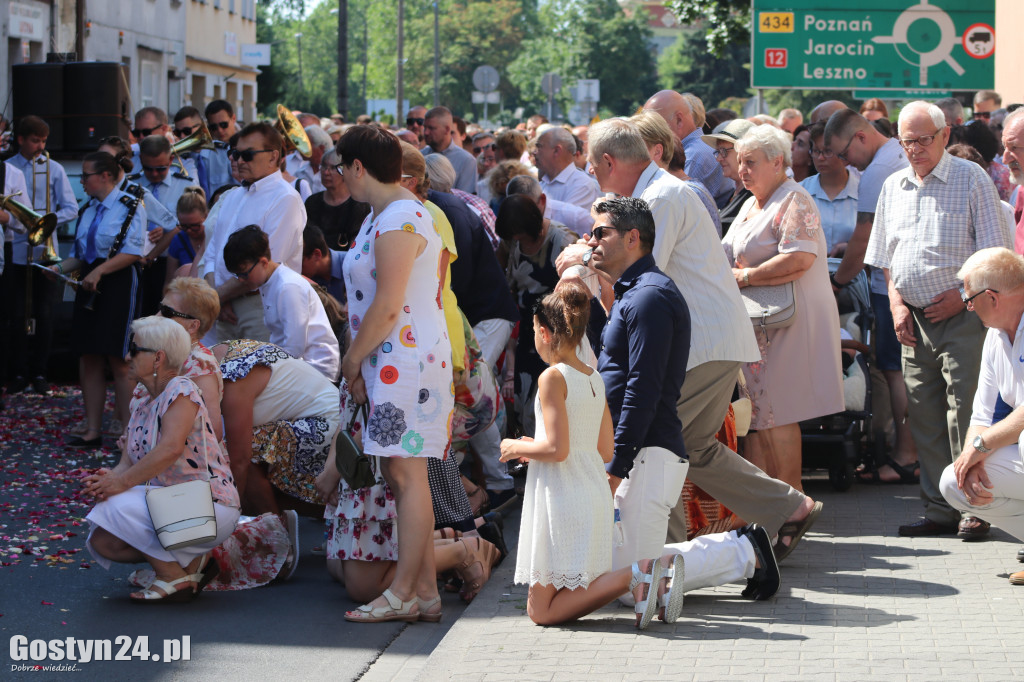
[(902, 94), (881, 45)]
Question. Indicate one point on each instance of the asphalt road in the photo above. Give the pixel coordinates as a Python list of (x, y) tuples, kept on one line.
[(50, 589)]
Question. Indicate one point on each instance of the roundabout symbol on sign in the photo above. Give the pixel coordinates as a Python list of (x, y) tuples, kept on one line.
[(941, 52), (979, 41)]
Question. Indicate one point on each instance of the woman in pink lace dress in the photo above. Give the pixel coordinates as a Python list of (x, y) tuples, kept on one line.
[(777, 238)]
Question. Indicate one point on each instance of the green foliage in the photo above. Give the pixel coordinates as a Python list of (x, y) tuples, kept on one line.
[(688, 66), (727, 21)]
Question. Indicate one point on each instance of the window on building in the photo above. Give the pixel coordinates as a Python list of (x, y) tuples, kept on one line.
[(148, 81), (231, 6)]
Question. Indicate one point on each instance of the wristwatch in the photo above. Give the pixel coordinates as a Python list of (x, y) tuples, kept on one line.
[(979, 445), (586, 258)]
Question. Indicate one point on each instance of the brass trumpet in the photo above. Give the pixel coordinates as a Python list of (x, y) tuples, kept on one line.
[(294, 135), (199, 139)]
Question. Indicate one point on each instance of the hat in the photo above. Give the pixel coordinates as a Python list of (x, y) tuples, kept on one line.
[(729, 131)]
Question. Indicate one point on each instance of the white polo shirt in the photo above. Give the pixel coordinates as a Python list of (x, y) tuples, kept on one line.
[(298, 322)]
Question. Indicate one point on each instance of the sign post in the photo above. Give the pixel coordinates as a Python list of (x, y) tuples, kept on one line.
[(890, 45), (486, 80)]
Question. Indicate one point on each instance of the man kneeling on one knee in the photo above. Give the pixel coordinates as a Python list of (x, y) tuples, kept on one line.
[(988, 476)]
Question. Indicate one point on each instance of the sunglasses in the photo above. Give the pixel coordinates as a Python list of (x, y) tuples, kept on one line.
[(223, 125), (415, 121), (190, 226), (493, 146), (184, 132), (134, 350), (245, 275), (155, 169), (598, 232), (982, 116), (168, 311), (247, 155), (139, 133)]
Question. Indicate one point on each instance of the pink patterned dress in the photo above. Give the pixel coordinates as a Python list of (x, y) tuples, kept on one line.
[(800, 374)]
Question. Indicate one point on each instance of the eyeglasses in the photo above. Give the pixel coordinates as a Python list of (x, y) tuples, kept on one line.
[(168, 311), (493, 146), (722, 152), (925, 140), (247, 155), (598, 232), (245, 275), (968, 299), (846, 149), (155, 169), (85, 174), (223, 125), (190, 226), (340, 168), (982, 115), (823, 152), (184, 132), (415, 121), (139, 133), (134, 350)]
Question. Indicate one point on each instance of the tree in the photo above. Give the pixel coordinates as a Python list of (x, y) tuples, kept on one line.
[(689, 66), (728, 21)]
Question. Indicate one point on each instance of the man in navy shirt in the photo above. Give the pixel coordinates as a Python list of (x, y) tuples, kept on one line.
[(645, 346)]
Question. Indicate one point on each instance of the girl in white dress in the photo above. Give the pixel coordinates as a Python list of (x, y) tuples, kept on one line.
[(565, 538)]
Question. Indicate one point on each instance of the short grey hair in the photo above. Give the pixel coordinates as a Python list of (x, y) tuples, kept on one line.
[(1012, 117), (774, 142), (318, 137), (441, 172), (160, 333), (620, 139), (560, 136), (331, 158), (938, 118), (524, 184), (996, 268), (951, 108)]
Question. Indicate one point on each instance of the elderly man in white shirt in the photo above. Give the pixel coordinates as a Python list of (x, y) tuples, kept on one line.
[(987, 478), (687, 249), (292, 310), (573, 217), (559, 177), (309, 169), (267, 200)]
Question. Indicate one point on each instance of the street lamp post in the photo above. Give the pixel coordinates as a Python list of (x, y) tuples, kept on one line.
[(398, 84), (343, 58), (298, 40)]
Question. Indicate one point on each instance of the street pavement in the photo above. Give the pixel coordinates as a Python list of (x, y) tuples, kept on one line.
[(857, 602)]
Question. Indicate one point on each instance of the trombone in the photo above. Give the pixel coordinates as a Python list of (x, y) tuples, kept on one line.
[(294, 135), (199, 139), (40, 231)]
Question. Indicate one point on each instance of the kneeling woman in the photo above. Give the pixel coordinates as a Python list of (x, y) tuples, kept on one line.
[(169, 440)]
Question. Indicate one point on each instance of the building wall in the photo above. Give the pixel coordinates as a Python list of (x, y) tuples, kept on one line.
[(30, 29), (217, 29), (1009, 51)]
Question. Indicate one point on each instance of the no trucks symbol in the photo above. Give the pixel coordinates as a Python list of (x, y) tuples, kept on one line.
[(979, 41)]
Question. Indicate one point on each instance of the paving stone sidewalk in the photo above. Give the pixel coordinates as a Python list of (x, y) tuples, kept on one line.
[(857, 603)]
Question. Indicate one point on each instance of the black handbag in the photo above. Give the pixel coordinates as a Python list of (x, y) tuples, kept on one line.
[(355, 467)]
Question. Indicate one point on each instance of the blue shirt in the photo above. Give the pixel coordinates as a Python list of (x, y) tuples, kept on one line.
[(218, 168), (61, 199), (110, 226), (645, 346), (838, 215), (181, 249), (335, 285), (702, 166)]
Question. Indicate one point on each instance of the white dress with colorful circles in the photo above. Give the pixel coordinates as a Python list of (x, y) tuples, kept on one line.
[(409, 376)]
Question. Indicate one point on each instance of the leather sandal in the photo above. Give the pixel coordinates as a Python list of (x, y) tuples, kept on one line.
[(207, 571), (475, 569), (671, 601), (447, 534), (168, 594), (425, 605), (905, 472), (794, 530), (643, 588), (396, 609)]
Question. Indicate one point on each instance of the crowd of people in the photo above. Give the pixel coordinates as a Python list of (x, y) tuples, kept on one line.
[(447, 295)]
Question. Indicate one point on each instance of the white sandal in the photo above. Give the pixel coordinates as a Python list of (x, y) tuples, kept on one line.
[(395, 610), (646, 580), (673, 600), (171, 593)]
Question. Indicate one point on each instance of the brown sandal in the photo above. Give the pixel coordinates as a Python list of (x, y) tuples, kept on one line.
[(475, 569), (447, 534)]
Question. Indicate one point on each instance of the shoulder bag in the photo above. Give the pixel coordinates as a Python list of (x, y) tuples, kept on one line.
[(770, 307), (352, 462)]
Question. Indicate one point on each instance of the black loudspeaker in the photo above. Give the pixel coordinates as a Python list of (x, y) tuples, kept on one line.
[(96, 104), (39, 91)]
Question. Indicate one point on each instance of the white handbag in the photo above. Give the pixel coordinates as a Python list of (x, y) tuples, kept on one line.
[(742, 408), (772, 306), (183, 514)]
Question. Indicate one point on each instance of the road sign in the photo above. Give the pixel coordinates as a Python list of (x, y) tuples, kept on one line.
[(896, 45), (588, 90), (551, 83), (902, 94), (486, 79), (486, 97)]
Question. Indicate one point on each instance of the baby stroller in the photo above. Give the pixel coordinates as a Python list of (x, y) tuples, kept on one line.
[(839, 442)]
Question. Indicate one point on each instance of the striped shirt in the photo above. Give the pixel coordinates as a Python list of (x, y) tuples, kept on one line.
[(924, 230)]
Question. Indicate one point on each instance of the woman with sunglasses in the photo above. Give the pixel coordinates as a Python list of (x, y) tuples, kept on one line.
[(399, 360), (169, 441), (108, 242)]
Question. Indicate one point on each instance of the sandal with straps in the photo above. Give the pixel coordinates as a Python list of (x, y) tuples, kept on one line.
[(671, 602), (396, 609), (170, 594), (426, 604), (645, 582), (208, 570), (475, 569)]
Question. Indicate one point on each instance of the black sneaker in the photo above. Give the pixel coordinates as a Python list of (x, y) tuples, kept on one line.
[(40, 385), (766, 580)]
